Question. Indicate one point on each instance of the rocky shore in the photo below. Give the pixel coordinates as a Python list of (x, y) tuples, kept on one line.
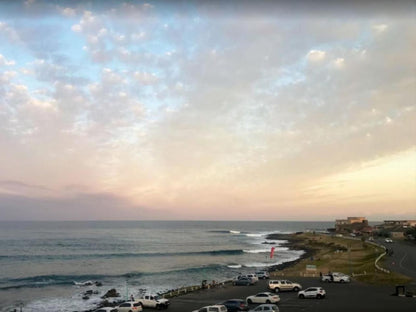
[(295, 243)]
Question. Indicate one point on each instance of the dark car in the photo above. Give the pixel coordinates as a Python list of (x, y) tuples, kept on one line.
[(243, 281), (235, 305)]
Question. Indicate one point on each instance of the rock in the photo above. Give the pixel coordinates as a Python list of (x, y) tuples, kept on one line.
[(111, 294), (98, 284), (85, 297)]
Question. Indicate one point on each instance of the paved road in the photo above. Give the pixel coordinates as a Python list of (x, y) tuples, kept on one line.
[(340, 297), (403, 259)]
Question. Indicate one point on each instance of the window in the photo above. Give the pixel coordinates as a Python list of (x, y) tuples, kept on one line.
[(125, 305)]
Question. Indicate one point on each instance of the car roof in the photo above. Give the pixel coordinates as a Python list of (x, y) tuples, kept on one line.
[(234, 300)]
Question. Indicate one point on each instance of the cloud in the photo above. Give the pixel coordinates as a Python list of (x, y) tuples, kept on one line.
[(82, 206), (69, 12), (5, 62), (224, 107), (145, 78), (316, 55)]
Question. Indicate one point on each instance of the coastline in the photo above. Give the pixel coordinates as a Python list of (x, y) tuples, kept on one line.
[(292, 241)]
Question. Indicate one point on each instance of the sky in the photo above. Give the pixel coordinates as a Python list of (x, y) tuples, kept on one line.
[(207, 110)]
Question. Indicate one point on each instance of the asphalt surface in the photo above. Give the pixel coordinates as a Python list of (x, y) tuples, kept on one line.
[(403, 259), (354, 296)]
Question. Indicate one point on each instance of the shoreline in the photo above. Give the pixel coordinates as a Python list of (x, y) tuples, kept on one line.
[(292, 242)]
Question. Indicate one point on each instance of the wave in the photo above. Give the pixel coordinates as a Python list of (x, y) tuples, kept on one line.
[(226, 231), (256, 250), (234, 266), (254, 235), (121, 255), (78, 280)]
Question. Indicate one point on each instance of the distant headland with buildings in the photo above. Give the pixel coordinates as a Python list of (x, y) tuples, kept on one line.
[(359, 226)]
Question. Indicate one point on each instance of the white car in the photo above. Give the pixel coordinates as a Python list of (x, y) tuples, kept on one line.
[(263, 274), (266, 307), (312, 292), (388, 240), (130, 306), (213, 308), (107, 309), (154, 301), (336, 277), (264, 297), (284, 285)]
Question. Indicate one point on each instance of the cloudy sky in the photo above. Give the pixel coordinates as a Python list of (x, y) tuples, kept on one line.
[(207, 110)]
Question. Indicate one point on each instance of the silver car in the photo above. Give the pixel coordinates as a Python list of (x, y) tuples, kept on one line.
[(312, 292), (265, 307)]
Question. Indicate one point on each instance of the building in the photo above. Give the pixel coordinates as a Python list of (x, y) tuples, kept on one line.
[(352, 225), (397, 234), (403, 223), (351, 220)]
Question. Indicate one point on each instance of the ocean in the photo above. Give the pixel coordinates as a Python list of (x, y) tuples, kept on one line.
[(41, 262)]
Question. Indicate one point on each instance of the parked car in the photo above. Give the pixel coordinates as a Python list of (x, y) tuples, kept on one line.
[(284, 285), (265, 307), (336, 277), (253, 277), (243, 281), (235, 305), (130, 306), (312, 292), (212, 308), (154, 301), (388, 240), (263, 274), (264, 297), (107, 309)]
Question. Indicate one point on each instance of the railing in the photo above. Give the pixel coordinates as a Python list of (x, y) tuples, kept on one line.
[(379, 257)]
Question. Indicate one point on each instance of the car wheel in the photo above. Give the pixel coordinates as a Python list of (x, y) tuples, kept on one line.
[(276, 289), (302, 296), (319, 296), (296, 289), (342, 281), (249, 301), (267, 301)]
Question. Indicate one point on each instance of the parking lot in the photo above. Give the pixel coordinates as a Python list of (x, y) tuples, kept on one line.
[(340, 297)]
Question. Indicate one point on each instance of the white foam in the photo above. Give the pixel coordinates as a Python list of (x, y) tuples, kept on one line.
[(234, 266), (254, 235), (256, 250), (234, 232)]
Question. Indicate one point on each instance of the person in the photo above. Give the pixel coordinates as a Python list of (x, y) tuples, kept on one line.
[(131, 298)]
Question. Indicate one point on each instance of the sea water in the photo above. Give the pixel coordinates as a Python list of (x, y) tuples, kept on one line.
[(41, 263)]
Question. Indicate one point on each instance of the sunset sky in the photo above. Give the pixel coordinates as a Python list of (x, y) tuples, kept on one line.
[(235, 110)]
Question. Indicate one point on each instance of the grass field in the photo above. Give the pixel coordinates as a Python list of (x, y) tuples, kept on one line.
[(338, 254)]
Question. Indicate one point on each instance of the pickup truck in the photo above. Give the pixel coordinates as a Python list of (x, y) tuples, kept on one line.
[(336, 278), (154, 301)]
